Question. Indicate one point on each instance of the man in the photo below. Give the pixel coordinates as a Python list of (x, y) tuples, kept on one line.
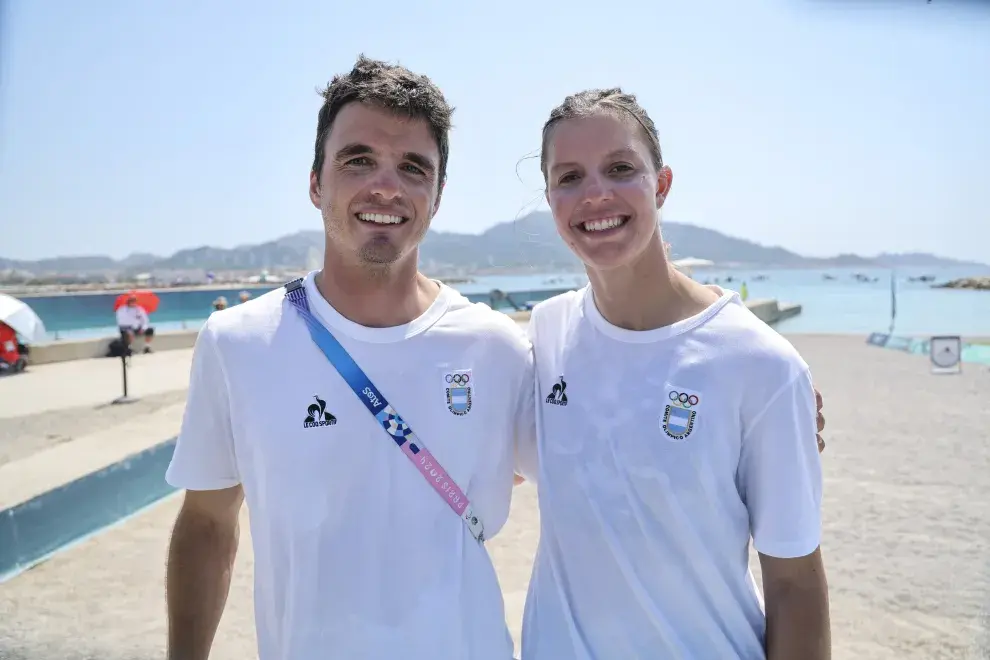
[(355, 556), (133, 320)]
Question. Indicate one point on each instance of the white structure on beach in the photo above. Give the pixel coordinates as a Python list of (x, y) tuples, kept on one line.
[(688, 264)]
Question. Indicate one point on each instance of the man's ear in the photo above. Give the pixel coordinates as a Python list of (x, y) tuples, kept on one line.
[(436, 204), (315, 193)]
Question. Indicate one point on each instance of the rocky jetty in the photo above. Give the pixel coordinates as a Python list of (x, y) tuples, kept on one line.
[(978, 283)]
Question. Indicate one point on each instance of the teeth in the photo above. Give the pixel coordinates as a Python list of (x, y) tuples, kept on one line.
[(381, 218), (603, 224)]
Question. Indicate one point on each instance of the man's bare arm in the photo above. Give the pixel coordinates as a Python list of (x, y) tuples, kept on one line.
[(200, 560), (796, 595)]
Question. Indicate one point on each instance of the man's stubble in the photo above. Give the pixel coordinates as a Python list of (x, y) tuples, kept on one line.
[(378, 254)]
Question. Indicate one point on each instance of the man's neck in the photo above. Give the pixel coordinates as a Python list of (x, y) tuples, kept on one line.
[(377, 298), (649, 293)]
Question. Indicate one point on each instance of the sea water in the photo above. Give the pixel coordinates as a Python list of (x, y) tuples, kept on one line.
[(842, 301)]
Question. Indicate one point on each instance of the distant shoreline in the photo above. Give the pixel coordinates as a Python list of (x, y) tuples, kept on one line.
[(55, 290), (50, 293), (46, 292)]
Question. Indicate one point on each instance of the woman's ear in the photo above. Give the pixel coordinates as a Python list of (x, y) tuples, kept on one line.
[(665, 178)]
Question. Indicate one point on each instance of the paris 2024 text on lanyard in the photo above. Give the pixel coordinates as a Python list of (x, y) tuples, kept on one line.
[(390, 420)]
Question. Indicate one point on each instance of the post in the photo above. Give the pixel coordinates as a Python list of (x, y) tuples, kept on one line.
[(893, 300), (125, 398)]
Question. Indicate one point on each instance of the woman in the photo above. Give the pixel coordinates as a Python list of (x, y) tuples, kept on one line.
[(674, 427)]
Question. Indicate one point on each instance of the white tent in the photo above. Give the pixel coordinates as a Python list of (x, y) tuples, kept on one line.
[(21, 318)]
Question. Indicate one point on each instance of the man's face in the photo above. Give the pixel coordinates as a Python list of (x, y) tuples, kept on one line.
[(378, 188)]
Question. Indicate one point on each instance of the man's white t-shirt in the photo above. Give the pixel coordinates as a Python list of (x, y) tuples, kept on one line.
[(134, 317), (356, 556), (660, 454)]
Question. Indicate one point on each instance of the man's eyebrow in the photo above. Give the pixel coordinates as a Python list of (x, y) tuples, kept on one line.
[(354, 149), (358, 149), (421, 161)]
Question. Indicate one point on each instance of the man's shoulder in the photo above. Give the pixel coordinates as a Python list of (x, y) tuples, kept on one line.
[(465, 316), (478, 319), (255, 320)]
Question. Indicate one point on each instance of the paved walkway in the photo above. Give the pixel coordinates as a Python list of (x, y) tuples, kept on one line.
[(50, 387), (906, 533)]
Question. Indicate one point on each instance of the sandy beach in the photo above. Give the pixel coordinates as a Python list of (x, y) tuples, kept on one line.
[(906, 519)]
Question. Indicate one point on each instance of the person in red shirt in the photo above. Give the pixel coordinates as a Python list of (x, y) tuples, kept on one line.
[(11, 360)]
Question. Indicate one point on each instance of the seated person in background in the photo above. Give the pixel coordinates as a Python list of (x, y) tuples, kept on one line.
[(11, 358), (132, 320), (220, 303)]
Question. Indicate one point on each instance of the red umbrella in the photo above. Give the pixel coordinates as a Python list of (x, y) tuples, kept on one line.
[(146, 299)]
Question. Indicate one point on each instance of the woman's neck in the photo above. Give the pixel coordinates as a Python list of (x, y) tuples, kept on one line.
[(649, 293)]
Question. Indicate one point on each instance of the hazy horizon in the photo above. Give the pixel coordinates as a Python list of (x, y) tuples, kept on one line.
[(118, 258)]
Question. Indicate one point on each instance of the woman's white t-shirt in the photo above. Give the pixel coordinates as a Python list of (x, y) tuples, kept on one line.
[(660, 455)]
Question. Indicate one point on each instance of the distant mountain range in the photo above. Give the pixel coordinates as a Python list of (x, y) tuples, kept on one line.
[(526, 243)]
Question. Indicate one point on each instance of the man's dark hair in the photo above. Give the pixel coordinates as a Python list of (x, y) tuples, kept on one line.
[(592, 101), (390, 87)]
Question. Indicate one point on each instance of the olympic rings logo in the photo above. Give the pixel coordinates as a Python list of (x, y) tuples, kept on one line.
[(458, 379), (686, 400)]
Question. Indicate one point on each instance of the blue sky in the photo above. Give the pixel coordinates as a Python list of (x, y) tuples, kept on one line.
[(824, 127)]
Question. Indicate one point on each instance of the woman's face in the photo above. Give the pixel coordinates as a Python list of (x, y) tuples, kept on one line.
[(603, 188)]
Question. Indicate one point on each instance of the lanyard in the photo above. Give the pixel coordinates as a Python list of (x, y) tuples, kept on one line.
[(390, 420)]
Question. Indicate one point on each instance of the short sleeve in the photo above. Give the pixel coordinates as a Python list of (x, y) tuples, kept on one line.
[(780, 473), (204, 452), (525, 426)]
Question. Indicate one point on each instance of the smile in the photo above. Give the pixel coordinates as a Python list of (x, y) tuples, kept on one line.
[(604, 224), (381, 218)]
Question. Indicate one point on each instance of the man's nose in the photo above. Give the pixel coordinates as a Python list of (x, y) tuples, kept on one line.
[(386, 184)]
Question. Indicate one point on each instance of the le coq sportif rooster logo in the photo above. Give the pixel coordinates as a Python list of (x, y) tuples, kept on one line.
[(318, 415), (557, 396)]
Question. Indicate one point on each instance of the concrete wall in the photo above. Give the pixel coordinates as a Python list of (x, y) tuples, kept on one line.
[(770, 311), (62, 351), (34, 530)]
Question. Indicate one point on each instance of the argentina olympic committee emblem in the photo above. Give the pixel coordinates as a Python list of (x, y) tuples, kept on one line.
[(457, 388), (680, 413)]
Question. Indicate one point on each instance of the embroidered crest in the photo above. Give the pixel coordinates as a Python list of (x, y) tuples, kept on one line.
[(680, 413), (457, 387)]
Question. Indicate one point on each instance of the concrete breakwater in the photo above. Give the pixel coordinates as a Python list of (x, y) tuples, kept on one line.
[(767, 310)]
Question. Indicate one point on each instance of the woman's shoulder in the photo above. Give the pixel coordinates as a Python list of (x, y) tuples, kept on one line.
[(749, 346), (559, 308)]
